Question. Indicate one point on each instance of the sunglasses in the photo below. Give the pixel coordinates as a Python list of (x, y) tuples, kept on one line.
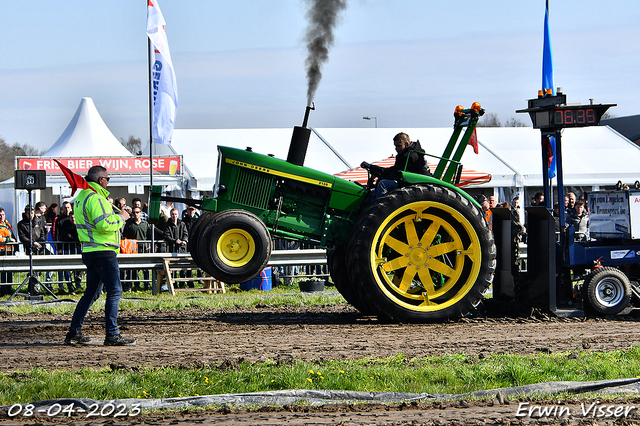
[(107, 178), (137, 211)]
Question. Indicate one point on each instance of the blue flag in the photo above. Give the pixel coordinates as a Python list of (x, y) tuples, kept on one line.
[(547, 57)]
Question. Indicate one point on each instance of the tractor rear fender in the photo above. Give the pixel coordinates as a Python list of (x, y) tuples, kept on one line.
[(409, 178)]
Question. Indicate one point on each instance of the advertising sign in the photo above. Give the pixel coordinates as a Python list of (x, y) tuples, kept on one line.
[(115, 165), (634, 213), (609, 214)]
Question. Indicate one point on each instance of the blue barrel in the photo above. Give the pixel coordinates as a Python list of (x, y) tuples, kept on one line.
[(261, 282)]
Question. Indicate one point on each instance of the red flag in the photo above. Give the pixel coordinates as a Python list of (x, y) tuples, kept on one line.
[(473, 141), (76, 181)]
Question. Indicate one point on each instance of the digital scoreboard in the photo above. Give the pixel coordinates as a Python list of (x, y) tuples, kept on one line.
[(551, 112)]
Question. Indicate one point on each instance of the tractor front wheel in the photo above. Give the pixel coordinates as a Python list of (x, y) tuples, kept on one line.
[(234, 246)]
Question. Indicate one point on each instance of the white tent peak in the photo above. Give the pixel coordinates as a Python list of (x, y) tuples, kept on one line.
[(87, 136)]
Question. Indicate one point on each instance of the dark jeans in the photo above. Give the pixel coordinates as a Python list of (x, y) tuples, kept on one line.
[(132, 274), (102, 272), (384, 186), (6, 277), (65, 276)]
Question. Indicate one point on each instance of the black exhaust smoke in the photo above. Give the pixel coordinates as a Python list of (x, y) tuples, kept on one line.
[(323, 16), (300, 140)]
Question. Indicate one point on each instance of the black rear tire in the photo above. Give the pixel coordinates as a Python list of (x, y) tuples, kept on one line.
[(336, 258), (234, 246), (608, 290), (421, 253)]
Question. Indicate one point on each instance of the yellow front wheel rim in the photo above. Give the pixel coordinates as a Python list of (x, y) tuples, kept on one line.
[(236, 247), (426, 256)]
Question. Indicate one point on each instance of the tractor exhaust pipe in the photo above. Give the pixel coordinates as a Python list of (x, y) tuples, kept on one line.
[(300, 140)]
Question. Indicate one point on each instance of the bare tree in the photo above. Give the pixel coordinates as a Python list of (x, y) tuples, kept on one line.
[(8, 153), (490, 119), (514, 122), (133, 144)]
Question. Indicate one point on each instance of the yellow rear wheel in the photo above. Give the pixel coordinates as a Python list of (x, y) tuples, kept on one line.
[(422, 260), (421, 253)]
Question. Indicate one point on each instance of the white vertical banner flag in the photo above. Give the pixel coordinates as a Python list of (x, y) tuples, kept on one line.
[(163, 77)]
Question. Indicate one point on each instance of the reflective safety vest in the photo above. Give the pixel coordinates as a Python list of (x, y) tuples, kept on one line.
[(6, 231), (98, 226), (489, 216)]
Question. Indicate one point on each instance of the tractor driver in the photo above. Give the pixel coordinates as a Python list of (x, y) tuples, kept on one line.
[(405, 148)]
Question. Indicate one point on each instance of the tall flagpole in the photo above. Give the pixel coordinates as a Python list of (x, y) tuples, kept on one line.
[(163, 94), (150, 134)]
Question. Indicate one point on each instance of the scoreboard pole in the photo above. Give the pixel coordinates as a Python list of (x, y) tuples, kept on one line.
[(551, 114), (560, 177)]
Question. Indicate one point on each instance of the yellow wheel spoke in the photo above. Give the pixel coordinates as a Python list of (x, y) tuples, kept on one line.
[(407, 279), (396, 244), (412, 234), (427, 282), (441, 268), (440, 249), (395, 264), (430, 234)]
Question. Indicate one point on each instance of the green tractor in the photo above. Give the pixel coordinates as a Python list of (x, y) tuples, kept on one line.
[(422, 252)]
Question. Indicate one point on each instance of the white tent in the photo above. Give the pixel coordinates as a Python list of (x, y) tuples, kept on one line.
[(86, 135), (592, 156)]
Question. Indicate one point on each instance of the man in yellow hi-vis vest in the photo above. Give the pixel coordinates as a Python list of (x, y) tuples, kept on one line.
[(99, 232)]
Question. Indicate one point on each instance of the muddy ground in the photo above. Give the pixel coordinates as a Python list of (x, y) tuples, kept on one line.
[(224, 337)]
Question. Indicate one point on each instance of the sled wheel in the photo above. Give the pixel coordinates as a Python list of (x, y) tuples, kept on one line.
[(336, 259), (422, 253), (195, 235), (608, 290), (234, 246)]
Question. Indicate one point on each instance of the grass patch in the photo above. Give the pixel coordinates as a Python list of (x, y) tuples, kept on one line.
[(449, 374), (146, 300)]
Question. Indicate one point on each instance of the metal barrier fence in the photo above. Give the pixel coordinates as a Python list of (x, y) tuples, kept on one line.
[(19, 263), (55, 248), (289, 259)]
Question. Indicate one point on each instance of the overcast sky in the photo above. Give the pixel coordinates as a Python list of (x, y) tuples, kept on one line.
[(240, 63)]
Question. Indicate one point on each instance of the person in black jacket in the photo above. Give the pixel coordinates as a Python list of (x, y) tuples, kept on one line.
[(410, 158), (64, 230), (36, 241), (176, 236), (175, 233), (38, 232)]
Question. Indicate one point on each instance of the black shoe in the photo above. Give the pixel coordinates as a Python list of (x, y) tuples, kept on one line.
[(119, 340), (76, 339)]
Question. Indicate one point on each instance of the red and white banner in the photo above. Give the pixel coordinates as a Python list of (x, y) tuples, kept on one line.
[(115, 165)]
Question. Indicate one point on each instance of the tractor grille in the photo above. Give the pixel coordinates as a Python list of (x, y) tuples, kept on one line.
[(252, 189)]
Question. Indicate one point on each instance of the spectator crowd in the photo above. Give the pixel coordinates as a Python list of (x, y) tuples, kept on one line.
[(52, 230)]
